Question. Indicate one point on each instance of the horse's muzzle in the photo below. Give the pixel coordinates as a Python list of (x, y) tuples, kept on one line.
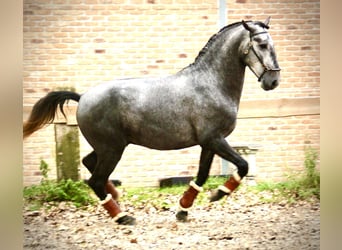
[(270, 80), (271, 86)]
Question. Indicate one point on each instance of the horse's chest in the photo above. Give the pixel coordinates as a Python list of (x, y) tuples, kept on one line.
[(224, 120)]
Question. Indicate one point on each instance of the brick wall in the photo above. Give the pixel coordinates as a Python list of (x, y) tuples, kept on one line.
[(80, 43), (282, 140), (295, 30)]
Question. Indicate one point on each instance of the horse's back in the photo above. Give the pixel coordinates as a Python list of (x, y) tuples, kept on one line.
[(152, 112)]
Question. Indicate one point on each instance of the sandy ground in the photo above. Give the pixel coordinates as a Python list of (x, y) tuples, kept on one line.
[(242, 221)]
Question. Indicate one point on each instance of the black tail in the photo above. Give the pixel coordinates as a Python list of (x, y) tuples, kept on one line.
[(44, 110)]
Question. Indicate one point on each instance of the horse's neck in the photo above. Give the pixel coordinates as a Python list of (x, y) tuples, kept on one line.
[(221, 66)]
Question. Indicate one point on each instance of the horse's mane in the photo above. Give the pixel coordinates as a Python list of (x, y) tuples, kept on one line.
[(214, 37)]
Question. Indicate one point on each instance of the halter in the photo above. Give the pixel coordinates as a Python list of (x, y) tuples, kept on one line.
[(266, 69)]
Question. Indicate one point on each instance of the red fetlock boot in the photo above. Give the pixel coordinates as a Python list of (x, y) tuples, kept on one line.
[(187, 200), (111, 206), (229, 186), (115, 212), (190, 195)]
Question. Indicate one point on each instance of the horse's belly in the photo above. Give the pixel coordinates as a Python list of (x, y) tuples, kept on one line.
[(164, 146), (162, 139)]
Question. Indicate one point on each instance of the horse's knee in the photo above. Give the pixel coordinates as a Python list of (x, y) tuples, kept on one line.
[(242, 168)]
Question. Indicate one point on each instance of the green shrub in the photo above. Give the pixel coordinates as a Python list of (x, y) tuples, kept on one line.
[(297, 187), (65, 190), (76, 192)]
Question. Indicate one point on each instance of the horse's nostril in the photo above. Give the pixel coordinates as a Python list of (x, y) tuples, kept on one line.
[(275, 83)]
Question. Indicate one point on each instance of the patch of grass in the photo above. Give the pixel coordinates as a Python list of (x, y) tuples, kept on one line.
[(76, 192), (214, 181), (167, 197), (296, 187)]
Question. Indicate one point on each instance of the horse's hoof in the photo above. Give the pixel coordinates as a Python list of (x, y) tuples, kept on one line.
[(217, 195), (182, 216), (126, 220)]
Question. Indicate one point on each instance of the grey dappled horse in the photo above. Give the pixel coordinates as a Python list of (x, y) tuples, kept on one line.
[(196, 106)]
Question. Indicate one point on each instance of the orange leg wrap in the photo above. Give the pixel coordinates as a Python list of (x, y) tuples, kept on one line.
[(188, 197), (111, 206), (231, 184)]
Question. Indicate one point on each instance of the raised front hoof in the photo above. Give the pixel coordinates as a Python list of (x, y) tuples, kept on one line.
[(182, 216), (126, 220), (217, 195)]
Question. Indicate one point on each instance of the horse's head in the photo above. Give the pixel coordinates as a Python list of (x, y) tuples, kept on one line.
[(259, 54)]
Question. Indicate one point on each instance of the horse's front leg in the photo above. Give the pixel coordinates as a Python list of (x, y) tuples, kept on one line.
[(195, 187), (222, 148)]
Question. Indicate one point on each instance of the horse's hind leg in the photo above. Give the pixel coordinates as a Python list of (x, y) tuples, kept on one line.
[(195, 187), (105, 164), (89, 161)]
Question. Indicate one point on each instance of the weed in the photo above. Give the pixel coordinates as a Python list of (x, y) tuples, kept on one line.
[(76, 192), (296, 187), (44, 169)]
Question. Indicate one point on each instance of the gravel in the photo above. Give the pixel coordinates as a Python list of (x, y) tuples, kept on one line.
[(242, 221)]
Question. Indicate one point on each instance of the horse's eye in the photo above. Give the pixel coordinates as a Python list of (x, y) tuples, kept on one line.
[(263, 46)]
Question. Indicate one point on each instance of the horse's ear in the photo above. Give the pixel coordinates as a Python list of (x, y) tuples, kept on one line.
[(246, 26), (267, 21)]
